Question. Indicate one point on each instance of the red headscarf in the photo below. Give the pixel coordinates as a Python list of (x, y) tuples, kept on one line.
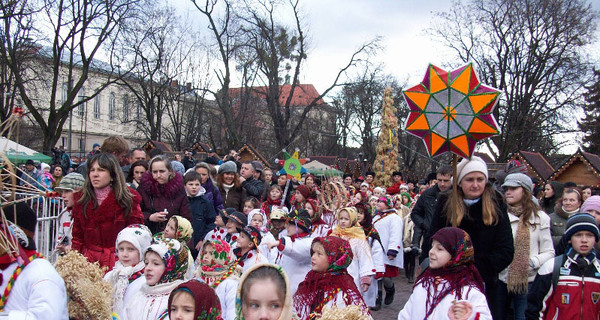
[(318, 288), (207, 305)]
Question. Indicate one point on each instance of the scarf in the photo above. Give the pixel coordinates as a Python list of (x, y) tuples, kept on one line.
[(318, 288), (458, 273), (101, 194), (222, 264), (518, 270), (367, 223), (566, 214), (119, 278), (354, 231), (206, 301)]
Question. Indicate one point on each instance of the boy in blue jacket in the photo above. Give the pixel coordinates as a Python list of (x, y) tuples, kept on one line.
[(203, 212)]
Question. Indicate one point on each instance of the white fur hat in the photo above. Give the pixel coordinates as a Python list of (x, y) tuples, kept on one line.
[(466, 166), (138, 235)]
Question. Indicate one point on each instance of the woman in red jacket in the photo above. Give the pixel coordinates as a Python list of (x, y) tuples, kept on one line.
[(102, 209), (163, 194)]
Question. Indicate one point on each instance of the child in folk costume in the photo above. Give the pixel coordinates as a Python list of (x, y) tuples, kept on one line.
[(71, 183), (273, 201), (247, 248), (318, 227), (258, 220), (180, 229), (127, 276), (294, 249), (328, 283), (218, 268), (220, 231), (194, 300), (389, 225), (166, 265), (361, 269), (451, 286), (365, 219), (276, 222), (31, 288), (264, 293), (236, 220)]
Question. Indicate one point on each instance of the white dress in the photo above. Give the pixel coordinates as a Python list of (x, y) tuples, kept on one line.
[(150, 302), (226, 291), (295, 260), (377, 255), (38, 293), (362, 263), (390, 232), (415, 307), (252, 258)]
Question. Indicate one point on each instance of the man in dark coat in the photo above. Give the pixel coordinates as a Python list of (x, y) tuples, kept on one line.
[(425, 207), (253, 187), (187, 161)]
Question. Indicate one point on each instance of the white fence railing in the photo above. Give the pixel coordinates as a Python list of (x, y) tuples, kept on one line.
[(47, 211)]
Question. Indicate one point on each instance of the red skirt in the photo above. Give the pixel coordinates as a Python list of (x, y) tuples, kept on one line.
[(391, 271)]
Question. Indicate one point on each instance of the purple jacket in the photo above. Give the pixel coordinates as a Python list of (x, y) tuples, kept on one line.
[(213, 195)]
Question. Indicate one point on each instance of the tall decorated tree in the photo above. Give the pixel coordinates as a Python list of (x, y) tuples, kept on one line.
[(386, 160)]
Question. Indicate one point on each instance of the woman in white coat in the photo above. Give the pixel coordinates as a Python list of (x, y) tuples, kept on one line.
[(533, 244)]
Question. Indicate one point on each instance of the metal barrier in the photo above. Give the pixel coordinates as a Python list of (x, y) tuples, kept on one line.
[(47, 211)]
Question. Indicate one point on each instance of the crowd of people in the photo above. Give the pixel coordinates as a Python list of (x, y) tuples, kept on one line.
[(224, 239)]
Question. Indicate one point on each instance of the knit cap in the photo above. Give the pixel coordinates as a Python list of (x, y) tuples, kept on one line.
[(581, 222), (304, 191), (466, 166), (592, 203), (138, 235), (228, 166), (518, 180), (71, 182)]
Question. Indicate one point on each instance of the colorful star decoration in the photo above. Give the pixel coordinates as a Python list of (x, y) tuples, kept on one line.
[(451, 111), (292, 166)]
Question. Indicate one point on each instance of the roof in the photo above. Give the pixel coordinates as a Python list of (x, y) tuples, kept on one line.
[(257, 155), (328, 160), (591, 160), (151, 144), (304, 94), (538, 163), (201, 146), (484, 156)]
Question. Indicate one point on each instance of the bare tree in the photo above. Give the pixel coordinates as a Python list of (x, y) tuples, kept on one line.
[(279, 53), (58, 63), (532, 51)]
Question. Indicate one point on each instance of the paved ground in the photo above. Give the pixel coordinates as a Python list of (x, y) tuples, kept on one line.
[(403, 291)]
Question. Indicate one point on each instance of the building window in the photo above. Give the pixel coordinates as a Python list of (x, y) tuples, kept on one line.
[(80, 108), (138, 111), (97, 107), (65, 92), (111, 106), (125, 108), (82, 145)]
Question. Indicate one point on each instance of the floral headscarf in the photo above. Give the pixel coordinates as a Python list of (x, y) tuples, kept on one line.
[(174, 256), (318, 288), (287, 310), (206, 301), (222, 263), (387, 200), (354, 231), (184, 228)]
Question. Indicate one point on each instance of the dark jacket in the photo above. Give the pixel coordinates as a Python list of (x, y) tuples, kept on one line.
[(213, 195), (493, 244), (203, 214), (157, 197), (422, 213), (188, 162), (253, 187), (548, 204), (234, 198)]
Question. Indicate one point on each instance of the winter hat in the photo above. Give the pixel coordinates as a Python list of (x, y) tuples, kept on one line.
[(228, 166), (25, 220), (29, 162), (252, 233), (314, 203), (304, 191), (338, 251), (581, 222), (403, 186), (178, 167), (138, 235), (95, 145), (44, 165), (238, 217), (260, 212), (458, 243), (206, 301), (301, 218), (592, 203), (258, 166), (387, 200), (515, 166), (518, 180), (364, 184), (174, 256), (71, 182), (466, 166)]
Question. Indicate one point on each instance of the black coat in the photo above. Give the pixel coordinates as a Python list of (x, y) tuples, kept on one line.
[(203, 217), (422, 213), (253, 187), (494, 247)]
